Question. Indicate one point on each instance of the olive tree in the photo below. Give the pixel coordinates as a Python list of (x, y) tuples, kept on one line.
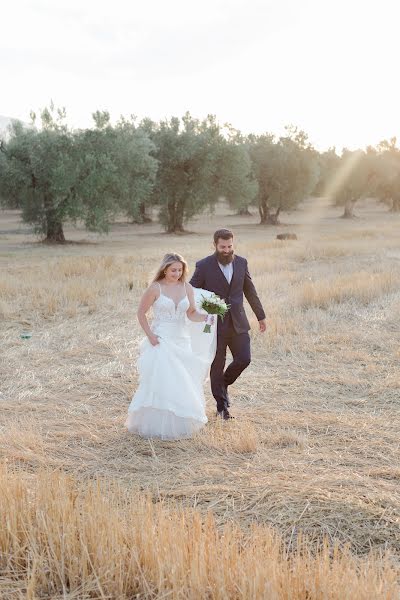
[(60, 175), (353, 180), (388, 174), (286, 170), (197, 163)]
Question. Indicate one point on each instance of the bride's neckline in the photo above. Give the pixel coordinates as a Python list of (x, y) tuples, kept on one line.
[(169, 297)]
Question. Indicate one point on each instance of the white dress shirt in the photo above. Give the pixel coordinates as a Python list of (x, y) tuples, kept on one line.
[(227, 271)]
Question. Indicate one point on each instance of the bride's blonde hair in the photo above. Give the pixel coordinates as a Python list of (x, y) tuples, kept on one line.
[(167, 261)]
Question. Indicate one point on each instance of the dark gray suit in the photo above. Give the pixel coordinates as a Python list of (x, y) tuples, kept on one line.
[(233, 330)]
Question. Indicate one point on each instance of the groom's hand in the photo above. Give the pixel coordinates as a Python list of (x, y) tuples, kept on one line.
[(263, 325)]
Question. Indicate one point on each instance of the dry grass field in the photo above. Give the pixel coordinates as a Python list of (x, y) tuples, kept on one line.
[(298, 498)]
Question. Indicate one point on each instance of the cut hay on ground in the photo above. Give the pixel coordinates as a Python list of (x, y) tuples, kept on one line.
[(62, 540), (314, 450)]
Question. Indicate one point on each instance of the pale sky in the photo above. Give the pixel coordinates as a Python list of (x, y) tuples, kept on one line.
[(329, 67)]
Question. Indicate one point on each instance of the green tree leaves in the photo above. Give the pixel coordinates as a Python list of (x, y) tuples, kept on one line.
[(198, 162), (387, 174), (183, 166), (286, 171), (60, 175)]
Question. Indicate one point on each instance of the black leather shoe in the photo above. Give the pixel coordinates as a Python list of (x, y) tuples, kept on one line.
[(224, 414)]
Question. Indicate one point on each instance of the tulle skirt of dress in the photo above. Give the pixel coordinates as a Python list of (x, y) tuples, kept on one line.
[(169, 403)]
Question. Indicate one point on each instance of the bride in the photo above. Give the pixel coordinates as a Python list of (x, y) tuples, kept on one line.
[(174, 359)]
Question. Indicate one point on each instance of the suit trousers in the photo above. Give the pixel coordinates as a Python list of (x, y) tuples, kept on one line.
[(221, 378)]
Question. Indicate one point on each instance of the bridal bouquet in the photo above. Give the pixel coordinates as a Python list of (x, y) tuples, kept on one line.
[(213, 306)]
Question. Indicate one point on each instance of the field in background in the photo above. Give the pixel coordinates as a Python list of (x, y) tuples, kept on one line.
[(314, 450)]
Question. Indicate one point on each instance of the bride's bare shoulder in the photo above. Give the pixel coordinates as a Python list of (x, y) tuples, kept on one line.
[(153, 289), (189, 288)]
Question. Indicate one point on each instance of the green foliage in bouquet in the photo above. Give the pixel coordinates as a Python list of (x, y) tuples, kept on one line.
[(214, 305)]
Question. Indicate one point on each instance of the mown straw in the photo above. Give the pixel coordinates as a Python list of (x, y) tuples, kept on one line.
[(314, 448), (59, 539)]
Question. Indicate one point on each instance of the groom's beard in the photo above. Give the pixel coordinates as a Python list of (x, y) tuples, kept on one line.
[(225, 257)]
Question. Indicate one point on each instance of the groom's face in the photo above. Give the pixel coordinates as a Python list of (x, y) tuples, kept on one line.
[(224, 250)]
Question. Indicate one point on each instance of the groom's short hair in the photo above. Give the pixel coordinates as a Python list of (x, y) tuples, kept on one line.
[(223, 234)]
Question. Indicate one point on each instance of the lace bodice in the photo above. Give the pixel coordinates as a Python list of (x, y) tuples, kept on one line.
[(165, 310)]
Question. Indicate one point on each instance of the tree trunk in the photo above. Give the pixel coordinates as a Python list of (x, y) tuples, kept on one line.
[(395, 205), (175, 216), (349, 209), (140, 215), (55, 233), (266, 216), (142, 212), (180, 213), (244, 212), (54, 227)]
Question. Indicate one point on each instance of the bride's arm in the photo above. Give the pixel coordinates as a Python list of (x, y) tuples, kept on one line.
[(192, 312), (146, 301)]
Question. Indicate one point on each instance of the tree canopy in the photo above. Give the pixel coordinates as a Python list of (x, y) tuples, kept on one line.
[(88, 175), (198, 162), (286, 171), (181, 166), (387, 173)]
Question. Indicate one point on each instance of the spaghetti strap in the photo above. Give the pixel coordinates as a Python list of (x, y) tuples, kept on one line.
[(158, 283)]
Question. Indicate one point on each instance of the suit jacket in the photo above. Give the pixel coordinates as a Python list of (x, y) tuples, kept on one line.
[(209, 276)]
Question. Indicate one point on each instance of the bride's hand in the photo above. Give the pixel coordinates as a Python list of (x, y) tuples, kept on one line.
[(153, 339)]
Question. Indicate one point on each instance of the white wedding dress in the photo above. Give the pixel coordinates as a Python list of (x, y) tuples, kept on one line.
[(169, 402)]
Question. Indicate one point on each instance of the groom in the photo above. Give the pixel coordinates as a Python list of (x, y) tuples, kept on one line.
[(227, 275)]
